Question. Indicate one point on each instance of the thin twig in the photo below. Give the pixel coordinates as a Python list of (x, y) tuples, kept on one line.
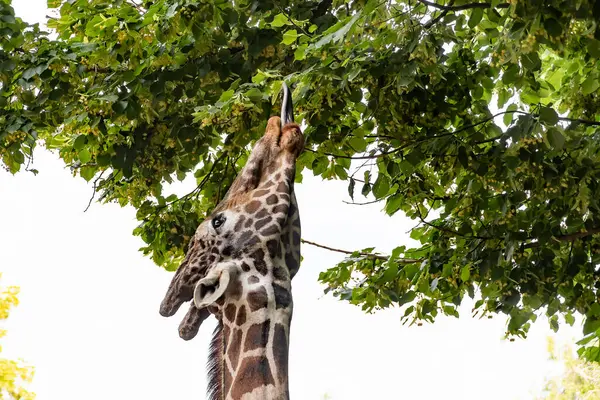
[(362, 204), (439, 17), (464, 128), (463, 6), (368, 255), (292, 21), (94, 190), (566, 238)]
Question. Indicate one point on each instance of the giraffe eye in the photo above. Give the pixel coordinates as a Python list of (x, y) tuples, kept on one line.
[(218, 221)]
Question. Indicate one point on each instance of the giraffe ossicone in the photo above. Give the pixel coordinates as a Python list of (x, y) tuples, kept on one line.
[(238, 267)]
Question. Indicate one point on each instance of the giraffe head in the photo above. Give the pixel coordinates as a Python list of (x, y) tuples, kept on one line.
[(250, 218)]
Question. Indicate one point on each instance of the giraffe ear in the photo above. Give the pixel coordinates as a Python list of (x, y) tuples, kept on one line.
[(210, 288)]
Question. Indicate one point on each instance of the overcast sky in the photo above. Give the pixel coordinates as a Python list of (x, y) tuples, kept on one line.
[(88, 319)]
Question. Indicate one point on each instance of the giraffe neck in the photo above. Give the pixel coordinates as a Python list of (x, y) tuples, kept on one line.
[(251, 343)]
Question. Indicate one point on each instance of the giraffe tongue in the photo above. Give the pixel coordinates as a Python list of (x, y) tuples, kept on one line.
[(287, 106)]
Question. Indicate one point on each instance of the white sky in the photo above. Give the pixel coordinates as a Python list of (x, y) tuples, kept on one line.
[(88, 319)]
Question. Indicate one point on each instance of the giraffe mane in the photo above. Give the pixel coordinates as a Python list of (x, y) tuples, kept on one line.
[(215, 365)]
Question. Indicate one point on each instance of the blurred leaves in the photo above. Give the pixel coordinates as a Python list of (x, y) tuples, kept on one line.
[(14, 375)]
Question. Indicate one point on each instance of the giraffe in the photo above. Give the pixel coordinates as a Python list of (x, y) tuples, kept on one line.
[(239, 267)]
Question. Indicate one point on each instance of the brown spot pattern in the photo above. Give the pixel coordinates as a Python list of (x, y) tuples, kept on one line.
[(259, 224), (236, 289), (280, 208), (238, 225), (230, 312), (259, 261), (257, 299), (252, 207), (272, 199), (260, 193), (253, 372), (274, 248), (257, 336), (282, 187), (283, 298), (295, 239), (270, 230), (292, 264), (279, 273), (253, 279), (280, 355)]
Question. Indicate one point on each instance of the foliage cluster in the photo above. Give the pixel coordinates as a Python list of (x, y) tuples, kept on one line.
[(478, 119)]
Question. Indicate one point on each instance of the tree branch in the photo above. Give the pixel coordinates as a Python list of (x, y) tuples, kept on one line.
[(439, 17), (94, 190), (464, 128), (362, 204), (368, 255), (463, 6), (571, 237)]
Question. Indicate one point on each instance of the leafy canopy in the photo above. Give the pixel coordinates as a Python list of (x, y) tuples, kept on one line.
[(13, 374), (480, 120)]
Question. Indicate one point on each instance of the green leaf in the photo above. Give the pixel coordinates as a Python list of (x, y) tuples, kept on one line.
[(390, 272), (366, 189), (593, 48), (279, 20), (29, 73), (555, 138), (393, 204), (508, 117), (84, 156), (531, 61), (465, 273), (358, 144), (226, 96), (300, 52), (290, 37), (8, 65), (351, 185), (9, 19), (80, 142), (553, 27), (590, 85), (337, 33), (255, 95), (476, 16), (87, 172), (548, 116), (119, 107), (463, 156), (381, 187)]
